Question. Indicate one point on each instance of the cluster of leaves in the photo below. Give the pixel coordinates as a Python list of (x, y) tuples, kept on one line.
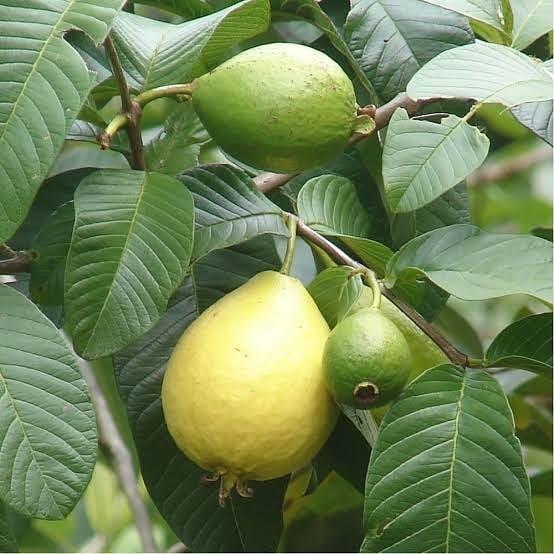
[(124, 260)]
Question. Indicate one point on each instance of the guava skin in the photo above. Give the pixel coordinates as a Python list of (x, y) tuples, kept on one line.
[(278, 107), (366, 360), (243, 394)]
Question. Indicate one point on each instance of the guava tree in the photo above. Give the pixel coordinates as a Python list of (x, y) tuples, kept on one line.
[(135, 195)]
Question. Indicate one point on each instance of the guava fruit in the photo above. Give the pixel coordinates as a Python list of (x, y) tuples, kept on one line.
[(425, 353), (278, 107), (366, 360), (244, 395)]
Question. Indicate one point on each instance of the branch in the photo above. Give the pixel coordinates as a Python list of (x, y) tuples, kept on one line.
[(494, 172), (340, 257), (18, 261), (121, 457), (131, 111), (267, 182)]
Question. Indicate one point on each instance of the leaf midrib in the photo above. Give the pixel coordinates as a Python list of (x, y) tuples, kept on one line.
[(123, 250), (453, 462)]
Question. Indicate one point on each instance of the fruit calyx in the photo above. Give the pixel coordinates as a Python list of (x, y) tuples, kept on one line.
[(366, 393), (227, 482)]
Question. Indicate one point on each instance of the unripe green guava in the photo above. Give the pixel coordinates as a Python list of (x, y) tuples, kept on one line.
[(278, 107), (366, 360)]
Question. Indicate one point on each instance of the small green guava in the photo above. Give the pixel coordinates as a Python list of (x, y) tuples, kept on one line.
[(366, 360), (278, 107)]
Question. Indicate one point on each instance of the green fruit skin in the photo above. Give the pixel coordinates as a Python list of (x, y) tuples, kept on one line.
[(366, 346), (278, 107)]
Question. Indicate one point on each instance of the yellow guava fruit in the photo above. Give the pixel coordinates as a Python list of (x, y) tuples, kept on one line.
[(279, 107), (243, 394)]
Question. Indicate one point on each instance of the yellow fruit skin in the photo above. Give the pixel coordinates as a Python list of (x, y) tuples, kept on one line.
[(243, 393)]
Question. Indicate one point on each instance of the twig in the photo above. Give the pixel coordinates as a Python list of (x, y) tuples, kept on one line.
[(96, 544), (494, 172), (18, 261), (181, 92), (267, 182), (131, 110), (122, 461), (342, 258)]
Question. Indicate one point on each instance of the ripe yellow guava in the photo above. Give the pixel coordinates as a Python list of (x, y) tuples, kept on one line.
[(278, 107), (243, 394), (366, 360)]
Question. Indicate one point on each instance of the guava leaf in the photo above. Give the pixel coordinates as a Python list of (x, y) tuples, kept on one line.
[(532, 19), (330, 204), (44, 83), (229, 209), (422, 160), (129, 251), (335, 291), (7, 538), (537, 117), (392, 39), (154, 53), (505, 76), (50, 249), (47, 423), (446, 473), (450, 208), (474, 265), (525, 344), (177, 146), (173, 481), (487, 13), (311, 11), (189, 9)]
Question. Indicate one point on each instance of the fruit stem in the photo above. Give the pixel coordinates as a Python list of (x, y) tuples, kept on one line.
[(292, 223), (371, 281)]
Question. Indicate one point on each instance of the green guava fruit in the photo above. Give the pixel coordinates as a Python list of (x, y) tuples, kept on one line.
[(366, 360), (278, 107)]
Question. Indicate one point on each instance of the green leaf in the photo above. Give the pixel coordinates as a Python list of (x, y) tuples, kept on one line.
[(422, 160), (50, 249), (43, 85), (449, 208), (505, 76), (52, 194), (177, 146), (189, 9), (173, 481), (330, 204), (335, 292), (391, 40), (47, 424), (7, 538), (228, 208), (532, 19), (488, 12), (447, 474), (525, 344), (154, 53), (311, 11), (537, 117), (344, 438), (474, 265), (130, 249), (541, 483)]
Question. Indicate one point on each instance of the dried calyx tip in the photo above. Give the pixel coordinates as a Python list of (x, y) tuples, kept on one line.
[(366, 393)]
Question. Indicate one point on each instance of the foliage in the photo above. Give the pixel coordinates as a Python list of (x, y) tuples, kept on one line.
[(111, 254)]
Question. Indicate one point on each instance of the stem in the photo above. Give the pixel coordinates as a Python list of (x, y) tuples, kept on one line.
[(131, 112), (121, 457), (342, 258), (371, 280), (267, 182), (181, 91), (18, 261), (292, 222)]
